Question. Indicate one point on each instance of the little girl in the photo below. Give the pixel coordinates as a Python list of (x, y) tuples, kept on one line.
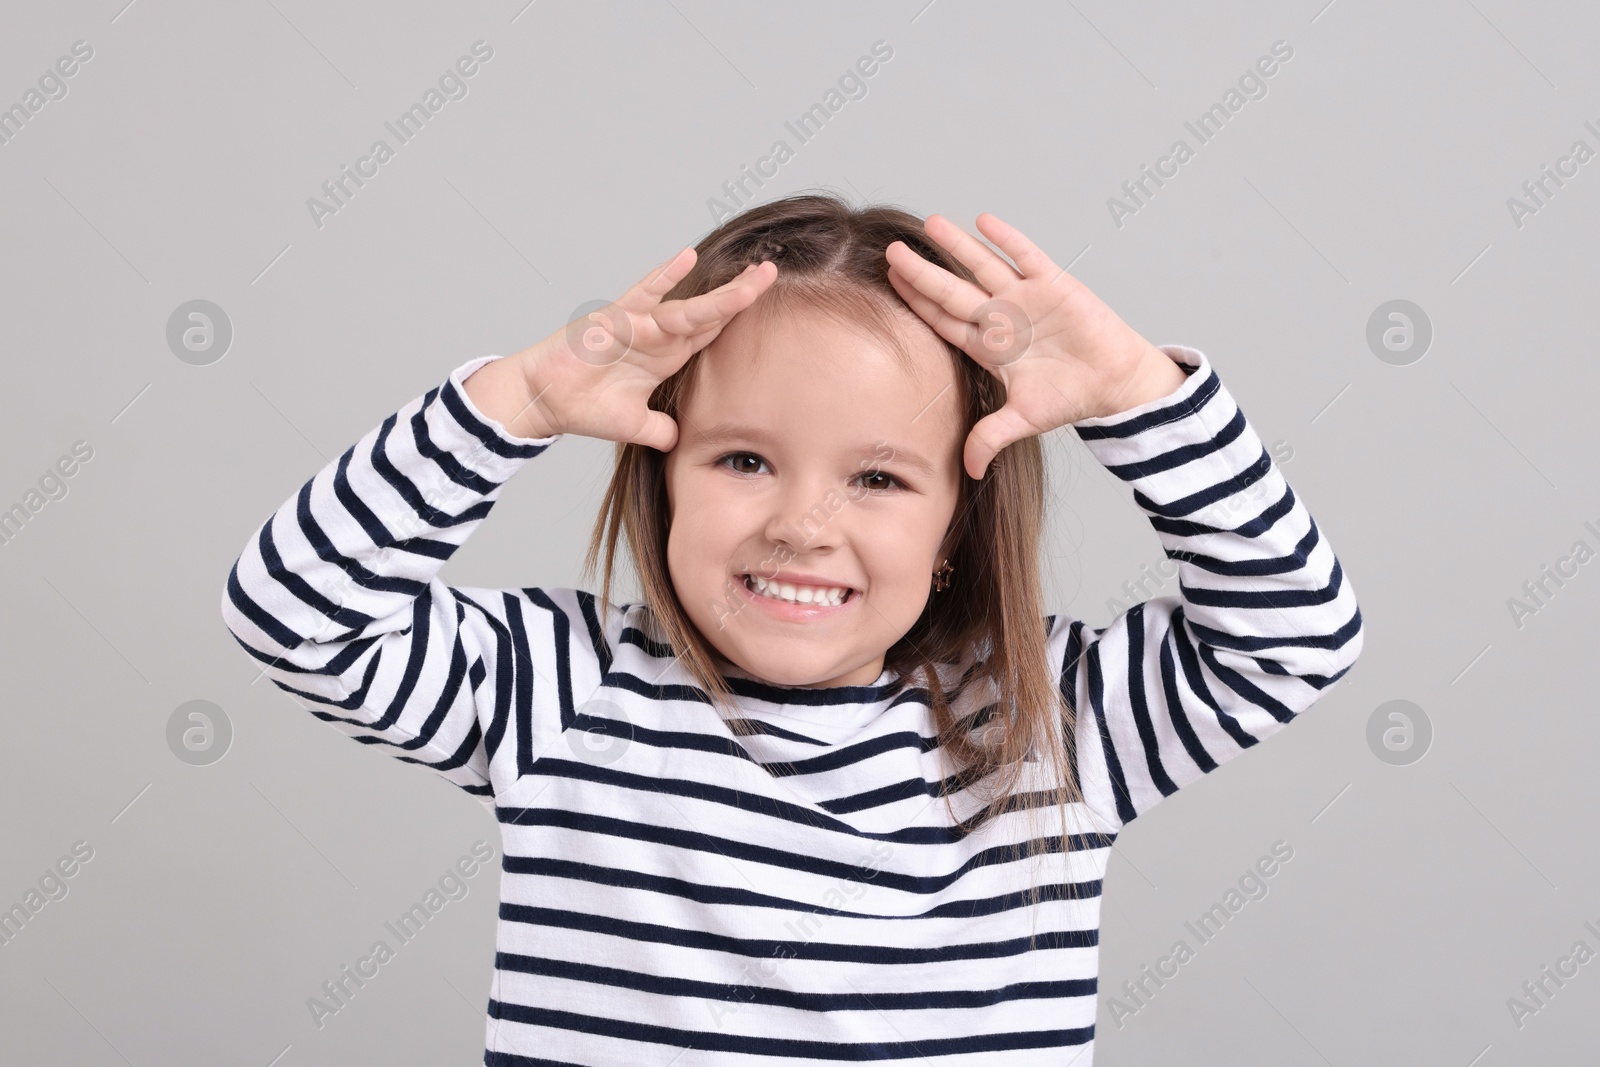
[(788, 807)]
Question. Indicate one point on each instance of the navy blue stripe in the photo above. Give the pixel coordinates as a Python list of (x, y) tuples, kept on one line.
[(700, 893), (565, 707), (325, 549), (301, 589), (1250, 528), (1176, 714), (1192, 404), (589, 607), (504, 650), (802, 948), (456, 405), (696, 841), (908, 789), (1119, 784), (930, 1000), (1137, 703), (1177, 457), (408, 491), (470, 480), (1203, 498), (266, 622), (718, 1041)]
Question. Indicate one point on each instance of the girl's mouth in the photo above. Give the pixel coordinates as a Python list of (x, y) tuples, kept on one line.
[(808, 599)]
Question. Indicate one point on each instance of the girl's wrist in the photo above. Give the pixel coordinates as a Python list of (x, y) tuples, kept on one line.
[(1157, 375), (501, 390)]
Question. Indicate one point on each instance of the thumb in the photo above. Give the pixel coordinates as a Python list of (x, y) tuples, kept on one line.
[(989, 436), (658, 432)]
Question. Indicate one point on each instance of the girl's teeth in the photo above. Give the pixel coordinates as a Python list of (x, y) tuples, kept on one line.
[(797, 595)]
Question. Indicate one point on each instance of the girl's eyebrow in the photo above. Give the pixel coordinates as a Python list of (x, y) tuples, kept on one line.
[(723, 432)]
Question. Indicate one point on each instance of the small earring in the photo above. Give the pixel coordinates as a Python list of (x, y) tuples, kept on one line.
[(941, 577)]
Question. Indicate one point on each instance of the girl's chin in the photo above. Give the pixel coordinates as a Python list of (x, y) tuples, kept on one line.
[(725, 665)]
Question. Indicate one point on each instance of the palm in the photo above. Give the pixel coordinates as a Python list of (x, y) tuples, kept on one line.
[(596, 375), (1061, 353)]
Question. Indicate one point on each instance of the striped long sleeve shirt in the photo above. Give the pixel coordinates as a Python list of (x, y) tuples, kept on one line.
[(674, 893)]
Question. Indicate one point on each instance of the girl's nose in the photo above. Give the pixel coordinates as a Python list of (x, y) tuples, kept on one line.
[(805, 514)]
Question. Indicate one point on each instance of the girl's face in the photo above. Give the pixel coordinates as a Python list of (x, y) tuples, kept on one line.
[(806, 453)]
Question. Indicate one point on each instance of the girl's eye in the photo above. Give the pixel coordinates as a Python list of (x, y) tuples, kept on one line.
[(737, 457), (875, 481), (889, 481)]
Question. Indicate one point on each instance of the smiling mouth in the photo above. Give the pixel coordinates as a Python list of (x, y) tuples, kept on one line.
[(793, 594)]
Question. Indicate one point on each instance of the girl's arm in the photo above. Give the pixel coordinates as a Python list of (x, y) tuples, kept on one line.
[(337, 598), (1263, 622), (337, 595)]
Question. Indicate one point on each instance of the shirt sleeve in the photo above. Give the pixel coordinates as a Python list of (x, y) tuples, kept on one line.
[(337, 599), (1263, 621)]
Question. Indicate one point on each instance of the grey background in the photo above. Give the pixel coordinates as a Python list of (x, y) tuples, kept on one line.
[(1377, 167)]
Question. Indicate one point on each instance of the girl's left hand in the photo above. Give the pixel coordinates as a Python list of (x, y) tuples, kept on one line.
[(1062, 354)]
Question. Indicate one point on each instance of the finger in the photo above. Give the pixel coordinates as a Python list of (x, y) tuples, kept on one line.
[(955, 330), (743, 277), (647, 292), (726, 286), (956, 295), (989, 436), (704, 336), (1024, 253), (718, 305), (733, 281), (700, 339), (658, 432), (993, 273), (973, 338)]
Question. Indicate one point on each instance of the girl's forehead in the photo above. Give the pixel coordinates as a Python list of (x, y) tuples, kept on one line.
[(823, 395), (809, 347), (825, 402)]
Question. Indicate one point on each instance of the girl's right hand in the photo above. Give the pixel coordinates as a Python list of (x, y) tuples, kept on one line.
[(595, 378)]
